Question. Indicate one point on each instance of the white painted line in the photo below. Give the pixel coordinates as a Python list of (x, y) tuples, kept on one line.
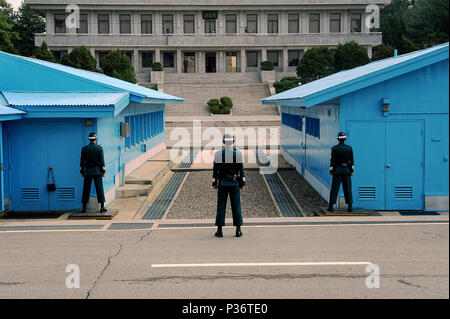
[(326, 263)]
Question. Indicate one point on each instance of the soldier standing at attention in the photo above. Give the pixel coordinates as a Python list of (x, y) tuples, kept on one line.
[(228, 178), (341, 168), (92, 167)]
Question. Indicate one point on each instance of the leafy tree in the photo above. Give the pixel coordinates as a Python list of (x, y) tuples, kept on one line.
[(27, 23), (7, 34), (80, 58), (316, 63), (393, 31), (285, 84), (118, 65), (43, 53), (349, 56), (382, 52)]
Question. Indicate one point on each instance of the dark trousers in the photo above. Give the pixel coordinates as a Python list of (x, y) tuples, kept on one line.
[(235, 198), (98, 188), (346, 181)]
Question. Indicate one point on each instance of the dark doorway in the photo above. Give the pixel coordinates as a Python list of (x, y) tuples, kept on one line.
[(210, 60)]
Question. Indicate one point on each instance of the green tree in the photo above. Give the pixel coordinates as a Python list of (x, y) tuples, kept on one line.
[(7, 34), (349, 56), (316, 63), (43, 53), (80, 58), (382, 51), (285, 84), (118, 65), (27, 23)]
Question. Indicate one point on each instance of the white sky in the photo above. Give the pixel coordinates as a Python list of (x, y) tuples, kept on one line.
[(15, 3)]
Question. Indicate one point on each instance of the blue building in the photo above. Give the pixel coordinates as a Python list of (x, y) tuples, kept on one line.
[(47, 111), (395, 113)]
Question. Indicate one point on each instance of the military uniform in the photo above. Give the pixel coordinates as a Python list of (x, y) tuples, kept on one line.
[(341, 167), (92, 167), (229, 177)]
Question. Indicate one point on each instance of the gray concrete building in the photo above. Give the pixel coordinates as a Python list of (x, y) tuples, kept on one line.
[(207, 36)]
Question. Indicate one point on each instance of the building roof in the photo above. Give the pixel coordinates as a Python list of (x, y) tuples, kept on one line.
[(63, 98), (347, 81), (8, 113), (140, 92), (209, 2)]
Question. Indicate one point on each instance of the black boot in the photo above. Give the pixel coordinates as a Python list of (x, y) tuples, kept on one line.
[(219, 232), (350, 208), (238, 231), (330, 208), (102, 208), (84, 209)]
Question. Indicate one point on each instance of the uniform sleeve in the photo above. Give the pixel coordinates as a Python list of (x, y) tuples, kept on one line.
[(102, 161), (333, 161), (82, 156), (352, 162), (215, 172)]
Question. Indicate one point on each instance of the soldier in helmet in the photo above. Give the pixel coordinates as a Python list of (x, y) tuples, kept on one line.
[(92, 168), (228, 179), (341, 168)]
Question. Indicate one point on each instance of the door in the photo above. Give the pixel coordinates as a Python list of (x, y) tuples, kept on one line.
[(210, 60), (231, 62), (404, 165)]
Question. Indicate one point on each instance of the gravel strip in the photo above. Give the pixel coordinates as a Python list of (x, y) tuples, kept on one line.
[(198, 199), (306, 196)]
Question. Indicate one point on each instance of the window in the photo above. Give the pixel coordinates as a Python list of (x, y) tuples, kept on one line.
[(167, 24), (314, 23), (146, 24), (294, 57), (189, 23), (231, 26), (293, 23), (252, 23), (125, 23), (273, 56), (83, 24), (169, 59), (355, 22), (58, 54), (210, 26), (101, 56), (147, 59), (60, 23), (252, 59), (103, 23), (335, 23), (272, 23)]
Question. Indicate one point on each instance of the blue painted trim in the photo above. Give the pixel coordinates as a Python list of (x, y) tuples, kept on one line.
[(121, 104), (62, 114), (160, 101), (2, 184), (11, 117)]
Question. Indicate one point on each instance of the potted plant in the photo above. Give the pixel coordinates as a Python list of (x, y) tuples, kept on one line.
[(267, 72), (157, 73)]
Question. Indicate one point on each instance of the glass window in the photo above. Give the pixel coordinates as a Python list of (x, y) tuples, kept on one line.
[(146, 24), (83, 28), (210, 26), (169, 59), (125, 23), (103, 23), (60, 23), (355, 22), (335, 23), (167, 24), (231, 26), (294, 57), (314, 23), (189, 62), (147, 59), (252, 59), (273, 56), (272, 23), (252, 23), (189, 23), (293, 23)]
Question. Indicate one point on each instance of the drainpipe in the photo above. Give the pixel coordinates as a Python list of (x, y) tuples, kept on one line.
[(395, 52)]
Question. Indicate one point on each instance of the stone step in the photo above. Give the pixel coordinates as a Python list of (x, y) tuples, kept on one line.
[(245, 77), (133, 190), (149, 173)]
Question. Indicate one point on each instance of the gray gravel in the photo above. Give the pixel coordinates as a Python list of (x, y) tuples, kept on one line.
[(198, 199), (306, 196)]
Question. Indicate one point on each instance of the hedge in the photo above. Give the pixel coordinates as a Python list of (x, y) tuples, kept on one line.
[(157, 66), (267, 66)]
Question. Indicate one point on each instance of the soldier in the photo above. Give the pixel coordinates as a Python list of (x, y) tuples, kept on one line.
[(341, 168), (92, 167), (228, 178)]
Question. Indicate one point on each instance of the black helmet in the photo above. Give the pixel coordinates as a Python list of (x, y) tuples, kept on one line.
[(228, 139), (93, 136), (342, 136)]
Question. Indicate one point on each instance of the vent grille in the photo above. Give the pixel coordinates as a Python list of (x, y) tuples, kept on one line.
[(367, 193), (30, 194), (66, 193), (404, 192)]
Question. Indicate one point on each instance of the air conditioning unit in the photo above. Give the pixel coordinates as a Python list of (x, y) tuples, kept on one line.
[(124, 129)]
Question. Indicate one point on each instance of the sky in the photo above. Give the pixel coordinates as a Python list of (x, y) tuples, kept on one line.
[(15, 3)]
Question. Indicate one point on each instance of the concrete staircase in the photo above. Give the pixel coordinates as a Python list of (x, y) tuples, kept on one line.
[(189, 78), (246, 98)]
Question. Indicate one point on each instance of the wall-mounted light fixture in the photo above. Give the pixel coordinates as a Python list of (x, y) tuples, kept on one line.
[(89, 122), (386, 106)]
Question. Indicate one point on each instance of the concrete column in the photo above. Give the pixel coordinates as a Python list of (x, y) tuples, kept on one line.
[(284, 22), (158, 55), (136, 23), (50, 23), (157, 23), (199, 23), (136, 65), (262, 27), (325, 22), (345, 22), (243, 61), (221, 64), (241, 22), (93, 23), (220, 24), (263, 55), (369, 52), (285, 60), (304, 28), (179, 61), (114, 23), (201, 61)]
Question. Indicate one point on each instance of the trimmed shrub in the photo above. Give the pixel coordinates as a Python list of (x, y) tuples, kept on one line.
[(267, 66), (226, 101), (118, 65), (213, 102), (225, 110), (215, 109), (157, 66), (80, 58), (285, 84)]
